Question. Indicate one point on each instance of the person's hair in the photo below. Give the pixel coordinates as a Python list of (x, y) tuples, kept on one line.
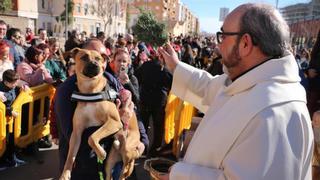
[(2, 22), (121, 42), (42, 46), (304, 50), (3, 45), (10, 76), (100, 34), (28, 29), (74, 33), (31, 54), (52, 41), (41, 29), (11, 32), (119, 51), (35, 42), (188, 51), (89, 42), (267, 28), (92, 45)]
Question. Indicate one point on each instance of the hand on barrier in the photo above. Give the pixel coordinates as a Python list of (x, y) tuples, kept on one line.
[(44, 120), (15, 114), (25, 87), (2, 97)]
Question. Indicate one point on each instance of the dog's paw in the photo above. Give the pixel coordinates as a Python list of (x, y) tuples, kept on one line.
[(66, 175), (101, 155)]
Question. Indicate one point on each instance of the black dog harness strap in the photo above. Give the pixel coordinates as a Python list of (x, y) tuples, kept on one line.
[(108, 94)]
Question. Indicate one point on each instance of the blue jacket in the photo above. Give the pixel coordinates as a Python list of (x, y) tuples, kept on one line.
[(11, 95)]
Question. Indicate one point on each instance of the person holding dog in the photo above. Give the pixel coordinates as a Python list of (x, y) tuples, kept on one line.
[(86, 166), (256, 123)]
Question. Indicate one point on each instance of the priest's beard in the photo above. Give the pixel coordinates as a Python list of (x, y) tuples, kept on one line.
[(233, 58)]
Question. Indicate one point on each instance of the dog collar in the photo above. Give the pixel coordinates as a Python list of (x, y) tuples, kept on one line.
[(107, 95)]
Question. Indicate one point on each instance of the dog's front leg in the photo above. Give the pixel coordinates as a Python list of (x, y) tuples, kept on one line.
[(74, 144), (110, 127)]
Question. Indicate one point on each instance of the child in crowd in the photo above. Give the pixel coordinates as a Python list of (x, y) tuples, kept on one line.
[(71, 67), (8, 93), (5, 62)]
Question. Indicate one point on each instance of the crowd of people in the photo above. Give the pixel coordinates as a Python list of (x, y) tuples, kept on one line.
[(249, 62)]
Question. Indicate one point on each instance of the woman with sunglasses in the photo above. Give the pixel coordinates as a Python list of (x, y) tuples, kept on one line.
[(14, 40)]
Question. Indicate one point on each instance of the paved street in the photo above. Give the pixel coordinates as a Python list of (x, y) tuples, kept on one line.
[(45, 166)]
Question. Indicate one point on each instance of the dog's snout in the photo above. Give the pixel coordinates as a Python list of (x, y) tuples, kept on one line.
[(91, 69)]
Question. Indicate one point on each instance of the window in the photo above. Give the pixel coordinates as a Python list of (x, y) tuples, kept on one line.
[(49, 26), (42, 4), (78, 8), (86, 9), (116, 10)]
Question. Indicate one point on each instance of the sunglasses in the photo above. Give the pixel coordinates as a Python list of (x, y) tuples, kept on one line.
[(18, 37)]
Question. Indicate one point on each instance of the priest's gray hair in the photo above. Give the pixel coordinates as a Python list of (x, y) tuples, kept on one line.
[(267, 28)]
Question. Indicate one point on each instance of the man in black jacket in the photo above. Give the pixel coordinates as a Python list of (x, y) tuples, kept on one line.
[(155, 83)]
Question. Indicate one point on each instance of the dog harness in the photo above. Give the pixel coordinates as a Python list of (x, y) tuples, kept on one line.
[(108, 94)]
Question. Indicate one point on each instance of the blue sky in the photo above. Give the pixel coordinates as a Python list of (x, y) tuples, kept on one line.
[(208, 10)]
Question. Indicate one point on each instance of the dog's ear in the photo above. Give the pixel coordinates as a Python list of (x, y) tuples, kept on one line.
[(74, 52)]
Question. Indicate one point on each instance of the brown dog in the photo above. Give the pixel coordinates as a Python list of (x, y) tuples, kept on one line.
[(89, 70)]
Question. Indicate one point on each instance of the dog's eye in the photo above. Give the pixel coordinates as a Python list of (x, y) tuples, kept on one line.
[(85, 57), (98, 59)]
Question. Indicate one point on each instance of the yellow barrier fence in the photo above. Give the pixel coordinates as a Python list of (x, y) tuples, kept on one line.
[(3, 123), (173, 103), (183, 122), (178, 118), (33, 107)]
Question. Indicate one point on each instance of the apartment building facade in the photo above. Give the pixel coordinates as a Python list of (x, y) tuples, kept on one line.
[(44, 14), (304, 22), (178, 18)]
